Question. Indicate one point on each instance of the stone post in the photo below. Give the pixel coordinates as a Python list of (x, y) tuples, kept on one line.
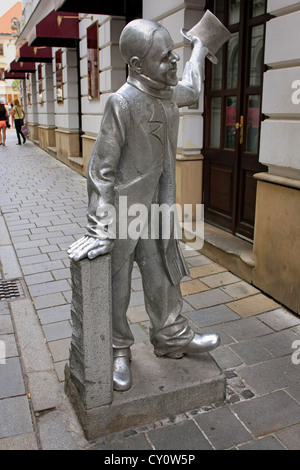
[(89, 382)]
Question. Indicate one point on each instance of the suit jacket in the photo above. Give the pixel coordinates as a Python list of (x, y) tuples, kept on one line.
[(134, 156)]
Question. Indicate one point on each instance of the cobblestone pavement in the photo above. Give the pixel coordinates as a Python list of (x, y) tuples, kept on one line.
[(43, 206)]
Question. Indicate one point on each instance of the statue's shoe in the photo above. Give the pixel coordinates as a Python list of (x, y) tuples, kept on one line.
[(122, 379), (200, 344)]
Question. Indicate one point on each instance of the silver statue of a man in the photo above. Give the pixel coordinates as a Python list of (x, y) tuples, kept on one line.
[(134, 156)]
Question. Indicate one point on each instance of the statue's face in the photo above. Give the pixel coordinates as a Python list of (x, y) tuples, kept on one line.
[(160, 63)]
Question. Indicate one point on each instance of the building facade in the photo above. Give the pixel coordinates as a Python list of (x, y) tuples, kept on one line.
[(238, 148), (8, 51)]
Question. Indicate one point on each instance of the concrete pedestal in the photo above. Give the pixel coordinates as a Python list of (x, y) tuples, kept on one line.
[(162, 387)]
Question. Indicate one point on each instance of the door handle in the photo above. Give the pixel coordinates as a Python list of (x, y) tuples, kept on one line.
[(240, 126)]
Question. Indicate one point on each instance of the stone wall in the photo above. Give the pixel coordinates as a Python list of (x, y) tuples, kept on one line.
[(276, 241)]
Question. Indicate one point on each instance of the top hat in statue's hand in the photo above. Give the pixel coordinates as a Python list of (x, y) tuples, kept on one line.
[(212, 33)]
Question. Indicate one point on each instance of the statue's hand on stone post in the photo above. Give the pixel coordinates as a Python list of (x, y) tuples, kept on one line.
[(89, 247)]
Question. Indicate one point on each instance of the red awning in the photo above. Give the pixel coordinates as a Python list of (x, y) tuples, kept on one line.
[(34, 54), (56, 32), (14, 75), (23, 67)]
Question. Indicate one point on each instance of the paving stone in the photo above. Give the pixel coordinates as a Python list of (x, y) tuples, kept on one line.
[(137, 314), (137, 284), (56, 227), (60, 349), (38, 278), (50, 300), (181, 436), (4, 234), (226, 358), (290, 437), (280, 343), (186, 307), (11, 378), (138, 332), (32, 243), (240, 290), (199, 260), (246, 328), (253, 305), (271, 375), (212, 316), (58, 330), (222, 428), (221, 279), (136, 298), (279, 319), (6, 325), (9, 341), (55, 314), (57, 255), (192, 287), (267, 414), (206, 270), (20, 238), (251, 351), (209, 298), (68, 295), (188, 252), (135, 273), (42, 267), (4, 308), (15, 417), (9, 263), (136, 442), (21, 225), (265, 443), (60, 274), (294, 391), (36, 360), (54, 434), (39, 230), (49, 249), (51, 236), (25, 441), (49, 288)]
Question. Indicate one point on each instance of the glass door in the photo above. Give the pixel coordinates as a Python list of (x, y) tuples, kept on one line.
[(233, 116)]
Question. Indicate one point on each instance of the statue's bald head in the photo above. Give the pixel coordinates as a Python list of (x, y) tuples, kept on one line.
[(137, 38)]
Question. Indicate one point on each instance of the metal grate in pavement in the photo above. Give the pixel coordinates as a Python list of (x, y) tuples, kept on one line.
[(11, 290)]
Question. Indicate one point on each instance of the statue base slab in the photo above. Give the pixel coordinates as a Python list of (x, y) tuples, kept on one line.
[(161, 387)]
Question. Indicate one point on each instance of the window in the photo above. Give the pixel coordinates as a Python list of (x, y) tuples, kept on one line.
[(59, 78), (93, 60), (1, 49)]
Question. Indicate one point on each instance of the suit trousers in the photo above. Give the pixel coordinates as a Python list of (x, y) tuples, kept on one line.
[(18, 125), (169, 330)]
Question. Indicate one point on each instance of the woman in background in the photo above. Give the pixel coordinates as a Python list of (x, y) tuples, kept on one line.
[(3, 119), (19, 116), (11, 113)]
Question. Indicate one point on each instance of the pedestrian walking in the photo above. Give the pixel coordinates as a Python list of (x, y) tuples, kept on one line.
[(19, 116), (11, 113), (3, 123)]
